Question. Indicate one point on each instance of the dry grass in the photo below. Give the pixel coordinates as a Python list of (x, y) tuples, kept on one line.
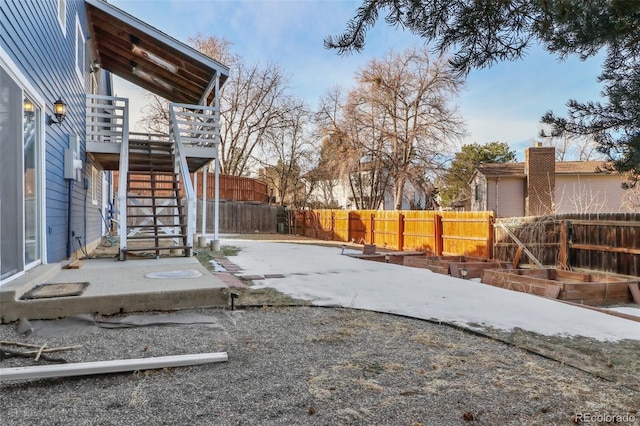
[(617, 362), (428, 366)]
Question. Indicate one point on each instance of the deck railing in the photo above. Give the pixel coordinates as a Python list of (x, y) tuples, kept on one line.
[(193, 125), (107, 119)]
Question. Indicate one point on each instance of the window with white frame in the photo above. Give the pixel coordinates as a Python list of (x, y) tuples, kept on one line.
[(94, 185), (478, 192), (62, 15), (80, 51)]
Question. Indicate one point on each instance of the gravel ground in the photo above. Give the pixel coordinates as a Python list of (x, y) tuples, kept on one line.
[(312, 366)]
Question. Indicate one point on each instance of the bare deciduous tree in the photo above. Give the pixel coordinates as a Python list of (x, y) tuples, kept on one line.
[(397, 125), (250, 105), (287, 153), (571, 148)]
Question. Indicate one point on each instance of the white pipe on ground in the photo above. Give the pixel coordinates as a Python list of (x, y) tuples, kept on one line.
[(104, 367)]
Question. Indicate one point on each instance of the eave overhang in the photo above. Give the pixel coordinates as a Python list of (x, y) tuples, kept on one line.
[(139, 53)]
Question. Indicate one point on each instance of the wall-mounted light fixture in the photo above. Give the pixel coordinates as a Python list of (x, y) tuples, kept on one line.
[(95, 66), (29, 110), (60, 111)]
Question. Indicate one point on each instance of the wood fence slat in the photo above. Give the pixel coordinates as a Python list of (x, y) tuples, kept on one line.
[(600, 242)]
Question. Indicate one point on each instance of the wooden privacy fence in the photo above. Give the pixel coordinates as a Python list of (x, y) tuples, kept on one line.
[(440, 233), (606, 242), (233, 188), (240, 217), (598, 242)]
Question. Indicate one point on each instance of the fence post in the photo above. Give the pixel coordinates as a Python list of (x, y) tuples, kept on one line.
[(490, 240), (400, 231), (333, 226), (437, 234), (349, 237), (373, 220), (563, 258)]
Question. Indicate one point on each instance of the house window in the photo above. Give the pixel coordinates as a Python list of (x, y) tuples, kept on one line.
[(80, 51), (94, 186), (478, 192), (21, 171), (62, 15)]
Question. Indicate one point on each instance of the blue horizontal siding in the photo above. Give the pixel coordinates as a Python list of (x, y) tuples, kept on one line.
[(30, 33)]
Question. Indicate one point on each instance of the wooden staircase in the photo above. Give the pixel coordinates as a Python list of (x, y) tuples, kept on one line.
[(156, 218)]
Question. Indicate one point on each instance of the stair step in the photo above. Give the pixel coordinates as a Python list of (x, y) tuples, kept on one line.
[(156, 226), (150, 153), (150, 181), (153, 237), (150, 142), (158, 215), (139, 168), (153, 248), (153, 197), (147, 155), (146, 162), (138, 153), (134, 192)]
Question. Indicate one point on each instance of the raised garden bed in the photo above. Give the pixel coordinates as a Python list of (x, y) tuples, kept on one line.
[(370, 252), (452, 265), (577, 287)]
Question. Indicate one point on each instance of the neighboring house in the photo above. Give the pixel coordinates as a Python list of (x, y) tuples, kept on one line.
[(56, 157), (540, 185), (329, 189)]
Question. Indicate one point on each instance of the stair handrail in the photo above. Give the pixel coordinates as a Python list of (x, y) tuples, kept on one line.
[(182, 167), (122, 180)]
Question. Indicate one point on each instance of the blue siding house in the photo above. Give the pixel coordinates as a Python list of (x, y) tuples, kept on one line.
[(62, 132)]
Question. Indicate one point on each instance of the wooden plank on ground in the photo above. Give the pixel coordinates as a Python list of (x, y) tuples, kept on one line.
[(76, 264), (104, 367), (605, 311)]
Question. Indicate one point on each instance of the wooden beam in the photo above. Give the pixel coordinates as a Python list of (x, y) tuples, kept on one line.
[(606, 222), (104, 367), (516, 257), (610, 249), (635, 293), (524, 248)]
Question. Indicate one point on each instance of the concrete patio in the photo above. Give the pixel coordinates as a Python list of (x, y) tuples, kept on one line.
[(116, 286)]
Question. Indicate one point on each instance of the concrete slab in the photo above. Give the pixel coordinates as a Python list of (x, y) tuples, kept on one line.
[(115, 286)]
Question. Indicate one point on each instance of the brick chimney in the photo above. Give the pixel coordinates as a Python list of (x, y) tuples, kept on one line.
[(540, 168)]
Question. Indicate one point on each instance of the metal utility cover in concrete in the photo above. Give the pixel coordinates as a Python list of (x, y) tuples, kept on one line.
[(49, 290), (189, 273)]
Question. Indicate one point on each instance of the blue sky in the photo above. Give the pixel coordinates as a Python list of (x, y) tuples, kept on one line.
[(502, 103)]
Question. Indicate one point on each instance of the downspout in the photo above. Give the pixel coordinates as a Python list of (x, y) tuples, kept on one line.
[(497, 196), (69, 218), (85, 183)]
